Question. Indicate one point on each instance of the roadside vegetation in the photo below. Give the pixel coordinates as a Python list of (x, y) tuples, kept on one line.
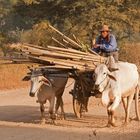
[(25, 21)]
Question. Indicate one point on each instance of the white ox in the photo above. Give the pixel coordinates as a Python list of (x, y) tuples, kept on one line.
[(119, 84)]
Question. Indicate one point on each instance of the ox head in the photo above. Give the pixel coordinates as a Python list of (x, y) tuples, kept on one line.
[(36, 76), (37, 80), (102, 75)]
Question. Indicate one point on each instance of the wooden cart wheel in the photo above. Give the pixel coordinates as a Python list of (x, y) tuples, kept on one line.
[(77, 107)]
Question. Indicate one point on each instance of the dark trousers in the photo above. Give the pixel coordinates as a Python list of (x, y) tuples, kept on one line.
[(114, 54)]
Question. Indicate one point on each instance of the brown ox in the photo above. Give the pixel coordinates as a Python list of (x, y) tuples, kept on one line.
[(47, 87)]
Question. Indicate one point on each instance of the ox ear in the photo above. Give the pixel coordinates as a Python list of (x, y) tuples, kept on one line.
[(46, 81), (26, 78), (111, 76)]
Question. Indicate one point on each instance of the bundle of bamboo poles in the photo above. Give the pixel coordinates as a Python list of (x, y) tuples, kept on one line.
[(63, 57)]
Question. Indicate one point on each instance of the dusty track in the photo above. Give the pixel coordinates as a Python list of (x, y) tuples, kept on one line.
[(19, 120)]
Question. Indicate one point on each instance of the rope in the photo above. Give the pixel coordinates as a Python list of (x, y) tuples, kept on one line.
[(70, 84)]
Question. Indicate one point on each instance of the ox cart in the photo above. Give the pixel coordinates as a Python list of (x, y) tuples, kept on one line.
[(69, 57)]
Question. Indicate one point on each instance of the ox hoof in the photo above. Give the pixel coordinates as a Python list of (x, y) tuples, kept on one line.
[(108, 125), (135, 119), (111, 124), (53, 117), (125, 123), (53, 122), (43, 121), (62, 117), (56, 116), (114, 125)]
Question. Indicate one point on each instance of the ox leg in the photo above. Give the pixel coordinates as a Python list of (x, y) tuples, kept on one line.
[(125, 101), (109, 115), (109, 118), (112, 108), (86, 100), (130, 99), (57, 106), (42, 110), (137, 104), (62, 109), (51, 108), (112, 118), (59, 102)]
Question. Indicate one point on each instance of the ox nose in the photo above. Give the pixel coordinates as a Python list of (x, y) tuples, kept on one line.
[(32, 94), (96, 86)]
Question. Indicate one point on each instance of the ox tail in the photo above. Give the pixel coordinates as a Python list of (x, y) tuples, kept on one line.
[(137, 103)]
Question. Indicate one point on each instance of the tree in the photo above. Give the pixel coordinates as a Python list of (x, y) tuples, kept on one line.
[(79, 17)]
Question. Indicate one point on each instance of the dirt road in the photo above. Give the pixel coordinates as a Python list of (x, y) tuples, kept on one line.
[(20, 115)]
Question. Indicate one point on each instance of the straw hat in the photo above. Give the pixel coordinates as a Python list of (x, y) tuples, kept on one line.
[(105, 28)]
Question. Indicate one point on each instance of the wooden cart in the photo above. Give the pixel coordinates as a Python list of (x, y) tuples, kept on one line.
[(82, 90), (70, 57)]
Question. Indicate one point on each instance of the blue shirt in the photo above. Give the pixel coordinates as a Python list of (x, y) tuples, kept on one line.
[(106, 46)]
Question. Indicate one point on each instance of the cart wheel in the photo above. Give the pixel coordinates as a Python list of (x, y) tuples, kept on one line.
[(77, 106)]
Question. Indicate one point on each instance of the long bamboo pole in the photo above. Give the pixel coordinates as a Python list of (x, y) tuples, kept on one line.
[(58, 42), (55, 48), (90, 53), (67, 38), (60, 56), (51, 52), (62, 63)]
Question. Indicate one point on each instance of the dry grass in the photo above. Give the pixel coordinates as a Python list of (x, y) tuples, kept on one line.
[(11, 75), (130, 53)]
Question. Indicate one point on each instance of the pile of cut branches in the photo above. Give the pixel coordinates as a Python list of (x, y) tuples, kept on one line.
[(70, 56)]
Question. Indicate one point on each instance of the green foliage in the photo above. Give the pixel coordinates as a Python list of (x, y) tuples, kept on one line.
[(28, 2), (39, 34), (25, 20)]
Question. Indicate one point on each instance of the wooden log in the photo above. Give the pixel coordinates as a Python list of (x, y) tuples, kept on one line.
[(52, 60), (70, 50), (91, 53), (55, 48), (21, 61), (61, 55), (34, 46), (40, 61), (44, 60), (55, 67), (76, 39), (86, 56), (68, 63), (69, 44), (58, 42), (72, 62), (52, 48), (65, 37), (65, 41)]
